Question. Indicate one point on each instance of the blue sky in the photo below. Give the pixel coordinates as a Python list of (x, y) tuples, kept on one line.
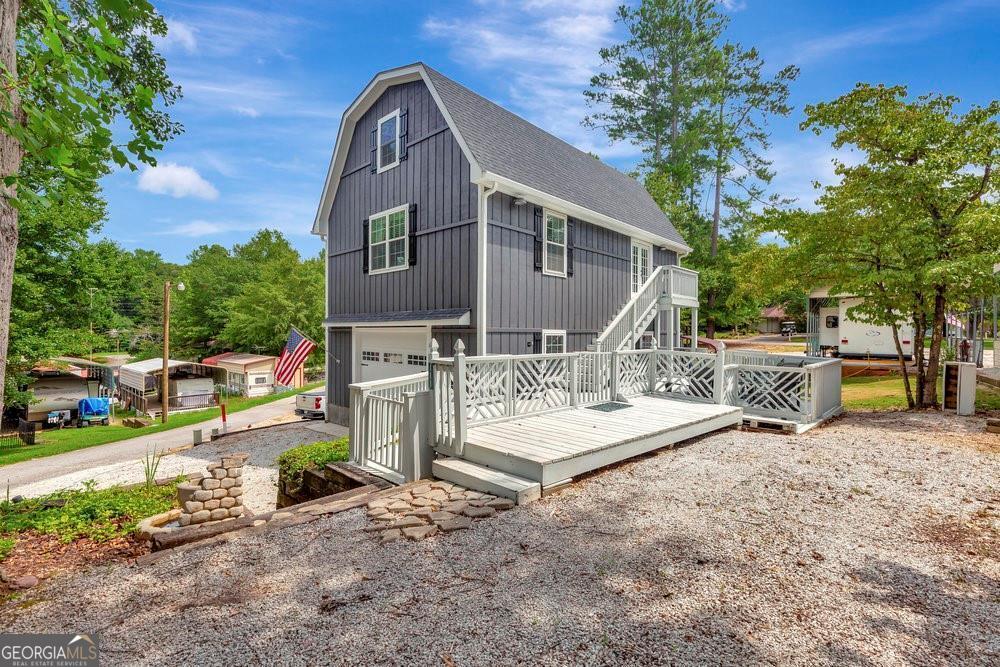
[(265, 84)]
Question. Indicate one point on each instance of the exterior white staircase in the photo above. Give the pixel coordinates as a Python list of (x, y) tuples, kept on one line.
[(666, 288)]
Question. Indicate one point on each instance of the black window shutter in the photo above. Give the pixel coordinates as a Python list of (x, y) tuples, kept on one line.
[(539, 238), (374, 148), (404, 132), (412, 243), (364, 245), (536, 343), (570, 244)]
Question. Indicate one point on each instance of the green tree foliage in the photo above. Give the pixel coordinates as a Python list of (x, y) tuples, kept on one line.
[(82, 86), (246, 298), (68, 291), (742, 100), (913, 228)]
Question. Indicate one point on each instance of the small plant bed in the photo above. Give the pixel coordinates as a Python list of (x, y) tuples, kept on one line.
[(302, 473), (63, 530)]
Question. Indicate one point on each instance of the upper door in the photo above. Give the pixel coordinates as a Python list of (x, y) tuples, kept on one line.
[(641, 257)]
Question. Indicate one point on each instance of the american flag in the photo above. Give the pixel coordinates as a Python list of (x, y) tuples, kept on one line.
[(296, 350)]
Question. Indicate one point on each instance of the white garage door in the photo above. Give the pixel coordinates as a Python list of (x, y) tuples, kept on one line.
[(390, 352)]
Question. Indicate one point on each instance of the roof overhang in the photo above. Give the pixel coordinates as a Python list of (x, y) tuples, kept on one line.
[(516, 189), (405, 318), (350, 119)]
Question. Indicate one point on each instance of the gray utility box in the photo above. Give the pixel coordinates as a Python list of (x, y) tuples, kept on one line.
[(960, 387)]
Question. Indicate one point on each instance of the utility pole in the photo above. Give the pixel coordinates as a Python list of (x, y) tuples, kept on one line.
[(165, 380), (90, 316)]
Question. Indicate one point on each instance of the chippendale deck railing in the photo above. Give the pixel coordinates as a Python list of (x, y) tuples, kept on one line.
[(391, 418)]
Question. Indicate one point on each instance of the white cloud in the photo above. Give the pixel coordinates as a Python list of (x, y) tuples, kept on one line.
[(545, 51), (800, 163), (903, 28), (180, 35), (177, 181), (249, 112), (733, 5)]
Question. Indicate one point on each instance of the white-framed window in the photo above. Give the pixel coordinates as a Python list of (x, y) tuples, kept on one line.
[(369, 355), (554, 250), (416, 359), (392, 358), (260, 379), (388, 141), (388, 241), (553, 341)]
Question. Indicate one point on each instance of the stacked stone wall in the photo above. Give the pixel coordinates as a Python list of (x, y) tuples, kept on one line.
[(216, 497)]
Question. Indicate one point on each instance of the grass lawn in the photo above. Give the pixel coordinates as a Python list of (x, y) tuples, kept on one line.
[(987, 343), (887, 393), (69, 439)]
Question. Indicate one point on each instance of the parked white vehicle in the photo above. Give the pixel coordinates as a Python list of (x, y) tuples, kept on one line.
[(850, 338), (311, 404)]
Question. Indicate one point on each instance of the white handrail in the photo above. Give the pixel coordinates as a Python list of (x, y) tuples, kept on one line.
[(628, 315)]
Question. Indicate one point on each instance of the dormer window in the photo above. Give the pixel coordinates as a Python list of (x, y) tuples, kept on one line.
[(388, 141)]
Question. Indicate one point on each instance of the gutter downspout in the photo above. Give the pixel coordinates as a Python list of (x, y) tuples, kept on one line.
[(482, 250)]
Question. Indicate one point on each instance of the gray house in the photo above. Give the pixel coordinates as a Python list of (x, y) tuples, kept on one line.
[(447, 216)]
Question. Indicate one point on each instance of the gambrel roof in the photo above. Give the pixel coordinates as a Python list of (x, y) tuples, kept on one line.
[(520, 158)]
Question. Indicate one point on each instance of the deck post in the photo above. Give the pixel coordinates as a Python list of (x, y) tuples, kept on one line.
[(574, 387), (415, 453), (718, 378), (694, 329), (355, 433), (614, 375), (458, 381), (670, 328), (654, 356), (509, 386)]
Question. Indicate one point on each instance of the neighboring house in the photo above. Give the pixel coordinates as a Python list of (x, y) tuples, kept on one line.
[(771, 319), (447, 216), (191, 385), (251, 374)]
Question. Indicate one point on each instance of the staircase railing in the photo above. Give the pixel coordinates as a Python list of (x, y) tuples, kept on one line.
[(620, 333)]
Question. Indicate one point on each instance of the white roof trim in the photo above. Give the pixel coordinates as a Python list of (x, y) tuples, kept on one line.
[(348, 123), (561, 205)]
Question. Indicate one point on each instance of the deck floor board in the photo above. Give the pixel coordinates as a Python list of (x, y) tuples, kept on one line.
[(561, 435)]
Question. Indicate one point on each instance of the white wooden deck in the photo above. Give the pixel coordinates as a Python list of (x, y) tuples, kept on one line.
[(555, 446)]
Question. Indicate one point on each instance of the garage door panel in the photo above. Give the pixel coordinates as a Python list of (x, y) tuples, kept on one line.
[(387, 353)]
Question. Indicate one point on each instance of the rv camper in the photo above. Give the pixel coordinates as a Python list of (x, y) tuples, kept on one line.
[(838, 335)]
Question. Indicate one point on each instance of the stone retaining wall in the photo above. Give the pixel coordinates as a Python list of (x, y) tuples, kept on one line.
[(217, 496)]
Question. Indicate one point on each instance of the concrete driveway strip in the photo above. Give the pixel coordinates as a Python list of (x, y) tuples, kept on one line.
[(133, 449)]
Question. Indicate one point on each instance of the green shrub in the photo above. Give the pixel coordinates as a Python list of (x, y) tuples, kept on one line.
[(6, 546), (100, 514), (294, 461)]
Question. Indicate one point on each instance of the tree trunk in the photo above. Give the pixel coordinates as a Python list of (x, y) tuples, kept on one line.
[(902, 367), (919, 326), (934, 360), (714, 239), (10, 163)]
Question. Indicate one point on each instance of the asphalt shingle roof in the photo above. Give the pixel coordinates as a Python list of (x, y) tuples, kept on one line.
[(509, 146)]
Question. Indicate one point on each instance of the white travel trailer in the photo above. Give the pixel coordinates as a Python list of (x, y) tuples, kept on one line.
[(833, 332)]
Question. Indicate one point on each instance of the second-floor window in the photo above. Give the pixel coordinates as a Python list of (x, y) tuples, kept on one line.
[(388, 141), (387, 240), (555, 244)]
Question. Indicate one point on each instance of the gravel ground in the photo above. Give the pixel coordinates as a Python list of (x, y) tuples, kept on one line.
[(870, 541), (260, 475)]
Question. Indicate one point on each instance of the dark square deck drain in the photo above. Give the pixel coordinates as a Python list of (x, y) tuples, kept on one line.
[(609, 407)]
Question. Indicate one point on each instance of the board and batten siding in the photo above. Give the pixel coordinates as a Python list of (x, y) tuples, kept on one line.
[(435, 176), (523, 301)]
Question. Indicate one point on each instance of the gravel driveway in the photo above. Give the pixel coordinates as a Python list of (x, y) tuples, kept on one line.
[(871, 541)]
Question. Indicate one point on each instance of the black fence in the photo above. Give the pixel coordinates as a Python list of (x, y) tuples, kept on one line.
[(24, 435)]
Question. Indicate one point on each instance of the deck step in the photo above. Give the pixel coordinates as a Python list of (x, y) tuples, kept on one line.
[(487, 480)]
